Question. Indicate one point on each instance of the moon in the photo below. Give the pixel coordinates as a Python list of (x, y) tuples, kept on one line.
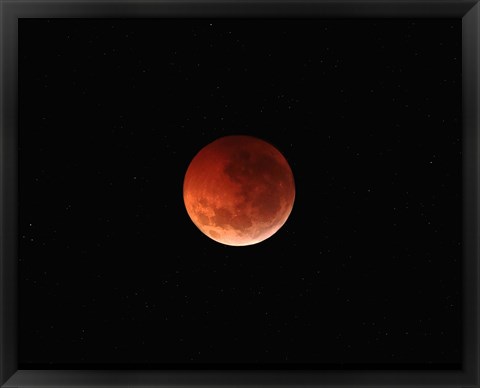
[(239, 190)]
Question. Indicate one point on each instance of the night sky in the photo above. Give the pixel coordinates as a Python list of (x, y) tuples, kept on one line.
[(365, 273)]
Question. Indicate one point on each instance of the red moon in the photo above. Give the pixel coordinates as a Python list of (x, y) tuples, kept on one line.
[(239, 190)]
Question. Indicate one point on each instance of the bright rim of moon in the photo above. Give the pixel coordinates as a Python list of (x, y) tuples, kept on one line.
[(239, 190)]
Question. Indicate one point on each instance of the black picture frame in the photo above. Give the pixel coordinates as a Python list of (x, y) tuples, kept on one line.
[(10, 13)]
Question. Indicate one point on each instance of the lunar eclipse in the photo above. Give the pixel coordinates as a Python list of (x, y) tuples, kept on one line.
[(239, 190)]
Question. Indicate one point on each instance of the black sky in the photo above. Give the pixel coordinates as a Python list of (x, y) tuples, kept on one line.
[(365, 273)]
